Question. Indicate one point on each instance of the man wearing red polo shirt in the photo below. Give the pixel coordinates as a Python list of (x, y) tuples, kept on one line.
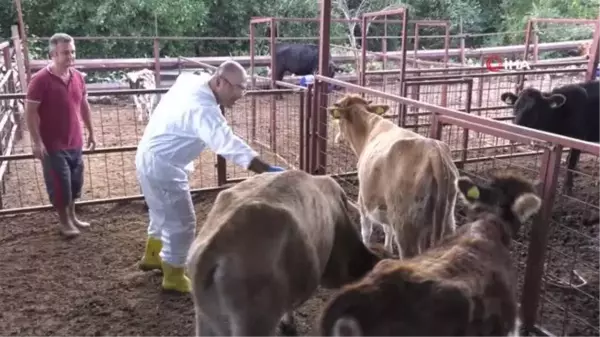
[(55, 104)]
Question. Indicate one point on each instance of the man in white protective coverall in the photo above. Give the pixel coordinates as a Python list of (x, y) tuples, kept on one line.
[(187, 120)]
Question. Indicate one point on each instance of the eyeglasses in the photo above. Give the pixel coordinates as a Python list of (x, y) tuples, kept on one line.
[(241, 87)]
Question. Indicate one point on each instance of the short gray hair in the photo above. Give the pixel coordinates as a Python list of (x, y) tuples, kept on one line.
[(229, 66), (58, 38)]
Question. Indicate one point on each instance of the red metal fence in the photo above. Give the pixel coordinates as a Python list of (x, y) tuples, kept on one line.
[(557, 255)]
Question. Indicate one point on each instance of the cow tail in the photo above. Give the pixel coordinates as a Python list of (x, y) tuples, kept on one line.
[(442, 179)]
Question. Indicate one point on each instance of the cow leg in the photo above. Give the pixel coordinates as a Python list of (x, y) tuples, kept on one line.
[(146, 108), (203, 326), (138, 108), (572, 160), (253, 324), (406, 235), (366, 225), (389, 237)]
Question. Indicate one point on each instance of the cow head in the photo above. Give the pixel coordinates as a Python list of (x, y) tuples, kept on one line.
[(351, 109), (134, 80), (535, 109), (507, 195)]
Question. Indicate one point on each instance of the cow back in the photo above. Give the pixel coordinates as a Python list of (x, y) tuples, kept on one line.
[(306, 198), (413, 178)]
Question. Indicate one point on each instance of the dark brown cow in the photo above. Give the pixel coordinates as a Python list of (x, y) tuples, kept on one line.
[(265, 247), (465, 286)]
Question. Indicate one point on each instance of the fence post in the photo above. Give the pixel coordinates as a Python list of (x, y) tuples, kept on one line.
[(156, 48), (465, 140), (221, 164), (19, 57), (536, 255), (302, 127)]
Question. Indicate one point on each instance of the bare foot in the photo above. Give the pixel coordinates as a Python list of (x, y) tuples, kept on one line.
[(69, 230), (80, 223)]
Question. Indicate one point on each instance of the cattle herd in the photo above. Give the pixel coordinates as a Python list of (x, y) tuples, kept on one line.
[(270, 241)]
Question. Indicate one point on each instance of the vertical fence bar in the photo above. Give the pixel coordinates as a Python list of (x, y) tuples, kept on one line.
[(19, 59), (322, 88), (446, 59), (221, 164), (23, 37), (156, 47), (480, 84), (314, 121), (384, 42), (402, 89), (521, 78), (536, 255), (363, 52), (273, 119), (465, 140), (592, 66), (252, 83), (301, 120), (435, 131)]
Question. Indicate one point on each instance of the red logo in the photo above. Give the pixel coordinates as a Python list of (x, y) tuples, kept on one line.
[(494, 63)]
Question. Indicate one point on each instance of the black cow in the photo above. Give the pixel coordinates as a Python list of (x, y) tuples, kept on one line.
[(571, 110), (299, 59)]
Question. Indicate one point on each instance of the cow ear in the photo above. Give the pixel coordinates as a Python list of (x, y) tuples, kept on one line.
[(508, 98), (346, 326), (337, 112), (378, 109), (526, 205), (556, 100)]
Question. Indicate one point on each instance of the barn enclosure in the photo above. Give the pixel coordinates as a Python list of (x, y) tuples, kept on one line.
[(91, 285)]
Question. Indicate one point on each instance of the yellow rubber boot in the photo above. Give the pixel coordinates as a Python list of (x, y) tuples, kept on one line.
[(151, 259), (174, 279)]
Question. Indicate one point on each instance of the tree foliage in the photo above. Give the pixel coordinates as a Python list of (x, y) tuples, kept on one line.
[(137, 21)]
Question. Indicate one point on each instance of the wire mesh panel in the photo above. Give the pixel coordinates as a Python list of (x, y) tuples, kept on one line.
[(569, 300), (272, 128), (109, 169)]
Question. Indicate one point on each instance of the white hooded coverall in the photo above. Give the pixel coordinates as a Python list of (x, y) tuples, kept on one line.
[(185, 122)]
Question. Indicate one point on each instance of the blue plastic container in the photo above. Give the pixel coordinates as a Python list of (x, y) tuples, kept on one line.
[(306, 80)]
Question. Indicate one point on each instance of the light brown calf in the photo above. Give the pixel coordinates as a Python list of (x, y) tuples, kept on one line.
[(406, 181), (465, 286), (266, 245)]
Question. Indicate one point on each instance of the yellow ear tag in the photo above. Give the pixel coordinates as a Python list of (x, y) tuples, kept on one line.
[(473, 192), (379, 110), (336, 113)]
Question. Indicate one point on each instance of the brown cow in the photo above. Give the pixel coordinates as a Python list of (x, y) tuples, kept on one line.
[(265, 247), (406, 180), (464, 286)]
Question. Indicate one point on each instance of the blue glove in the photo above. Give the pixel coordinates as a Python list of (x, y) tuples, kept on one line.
[(275, 169)]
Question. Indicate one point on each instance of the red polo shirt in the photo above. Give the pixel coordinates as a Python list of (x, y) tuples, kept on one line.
[(59, 109)]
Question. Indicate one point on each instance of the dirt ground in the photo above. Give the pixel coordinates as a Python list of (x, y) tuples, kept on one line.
[(90, 285)]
